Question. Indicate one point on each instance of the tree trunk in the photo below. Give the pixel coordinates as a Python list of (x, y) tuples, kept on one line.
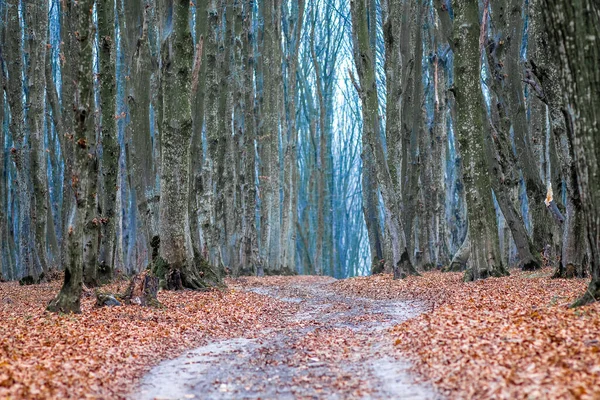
[(142, 167), (373, 154), (289, 207), (546, 70), (68, 300), (176, 264), (109, 140), (578, 54), (250, 237), (20, 151), (508, 113), (484, 260), (36, 16)]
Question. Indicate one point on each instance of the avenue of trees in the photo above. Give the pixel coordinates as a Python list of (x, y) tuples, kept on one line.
[(210, 137)]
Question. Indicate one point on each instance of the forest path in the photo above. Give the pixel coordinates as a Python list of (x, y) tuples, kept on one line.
[(333, 347)]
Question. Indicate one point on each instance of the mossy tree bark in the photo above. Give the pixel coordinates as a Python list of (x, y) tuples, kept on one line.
[(502, 162), (36, 17), (176, 263), (109, 140), (545, 68), (484, 260), (20, 152), (577, 52), (68, 299), (373, 152)]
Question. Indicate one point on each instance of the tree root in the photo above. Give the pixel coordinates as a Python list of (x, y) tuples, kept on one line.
[(591, 295)]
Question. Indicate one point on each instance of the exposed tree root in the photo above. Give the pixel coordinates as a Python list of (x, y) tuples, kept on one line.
[(404, 267), (591, 295)]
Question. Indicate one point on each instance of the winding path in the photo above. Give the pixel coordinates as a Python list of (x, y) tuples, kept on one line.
[(334, 347)]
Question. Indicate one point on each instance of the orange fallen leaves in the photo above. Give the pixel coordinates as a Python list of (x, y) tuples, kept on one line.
[(101, 353), (507, 338)]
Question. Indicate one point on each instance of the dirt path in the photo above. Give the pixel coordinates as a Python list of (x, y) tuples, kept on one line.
[(334, 347)]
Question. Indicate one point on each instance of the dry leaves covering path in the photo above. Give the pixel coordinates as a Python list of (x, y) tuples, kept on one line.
[(334, 346), (103, 351), (500, 338), (310, 337)]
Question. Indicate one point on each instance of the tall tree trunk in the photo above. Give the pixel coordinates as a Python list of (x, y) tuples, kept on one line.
[(289, 218), (484, 260), (364, 59), (578, 54), (109, 140), (250, 234), (5, 270), (509, 111), (68, 300), (143, 169), (176, 263), (412, 120), (321, 157), (546, 70), (36, 16), (211, 107), (224, 182), (268, 140), (20, 151)]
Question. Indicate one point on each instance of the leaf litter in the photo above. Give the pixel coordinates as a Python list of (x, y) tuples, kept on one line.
[(511, 337), (103, 351), (502, 338)]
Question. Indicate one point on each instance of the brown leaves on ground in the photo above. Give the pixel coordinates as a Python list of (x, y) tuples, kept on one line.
[(511, 337), (101, 352)]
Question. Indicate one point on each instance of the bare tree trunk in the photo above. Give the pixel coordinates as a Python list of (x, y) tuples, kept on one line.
[(68, 300), (484, 260), (250, 237), (289, 207), (20, 151), (372, 147), (110, 144), (545, 69), (578, 54), (142, 168), (36, 16), (5, 266), (176, 264), (502, 162), (412, 121), (320, 159)]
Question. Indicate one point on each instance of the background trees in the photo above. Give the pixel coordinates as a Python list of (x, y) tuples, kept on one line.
[(319, 136)]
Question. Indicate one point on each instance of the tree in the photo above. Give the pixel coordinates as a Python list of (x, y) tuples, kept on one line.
[(484, 259), (80, 13), (174, 263), (577, 52), (372, 147)]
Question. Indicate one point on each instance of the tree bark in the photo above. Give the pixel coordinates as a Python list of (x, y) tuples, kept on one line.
[(20, 151), (36, 16), (109, 140), (68, 300), (289, 207), (544, 67), (484, 260), (364, 60), (176, 264), (577, 52)]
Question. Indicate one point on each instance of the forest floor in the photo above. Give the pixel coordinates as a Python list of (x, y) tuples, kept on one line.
[(310, 337), (334, 346)]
